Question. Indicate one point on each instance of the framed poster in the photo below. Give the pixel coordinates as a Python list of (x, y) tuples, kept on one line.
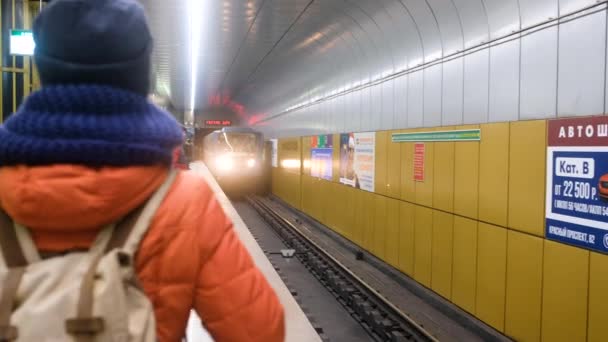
[(577, 182), (357, 160), (321, 157)]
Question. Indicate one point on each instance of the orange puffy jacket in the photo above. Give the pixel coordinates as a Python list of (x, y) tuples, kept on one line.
[(190, 258)]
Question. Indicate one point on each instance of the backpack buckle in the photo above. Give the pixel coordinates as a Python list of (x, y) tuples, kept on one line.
[(8, 333), (84, 326)]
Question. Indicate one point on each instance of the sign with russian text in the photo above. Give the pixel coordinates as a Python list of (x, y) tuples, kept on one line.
[(419, 162), (222, 123), (577, 182), (357, 160), (321, 157), (456, 135)]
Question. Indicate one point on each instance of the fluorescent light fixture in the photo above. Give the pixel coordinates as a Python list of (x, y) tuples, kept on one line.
[(22, 43), (196, 11)]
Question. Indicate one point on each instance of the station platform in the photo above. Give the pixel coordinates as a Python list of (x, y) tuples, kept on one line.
[(298, 326)]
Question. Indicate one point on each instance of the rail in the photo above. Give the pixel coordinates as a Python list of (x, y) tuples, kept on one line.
[(381, 319)]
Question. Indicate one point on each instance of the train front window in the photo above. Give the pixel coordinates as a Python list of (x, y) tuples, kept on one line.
[(238, 142)]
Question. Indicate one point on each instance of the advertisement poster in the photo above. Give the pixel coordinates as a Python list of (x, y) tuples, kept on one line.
[(419, 162), (577, 182), (357, 160), (321, 157), (275, 155)]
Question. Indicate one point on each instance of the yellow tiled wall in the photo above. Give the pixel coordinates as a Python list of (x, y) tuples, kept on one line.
[(473, 231)]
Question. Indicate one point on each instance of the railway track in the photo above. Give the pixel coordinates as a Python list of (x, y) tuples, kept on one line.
[(381, 319)]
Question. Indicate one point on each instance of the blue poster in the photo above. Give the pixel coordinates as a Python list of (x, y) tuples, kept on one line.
[(321, 165), (321, 156), (577, 184)]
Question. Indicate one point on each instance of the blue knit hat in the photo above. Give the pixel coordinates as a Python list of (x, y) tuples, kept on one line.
[(94, 42)]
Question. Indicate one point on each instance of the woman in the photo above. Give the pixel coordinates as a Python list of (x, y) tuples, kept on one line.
[(88, 149)]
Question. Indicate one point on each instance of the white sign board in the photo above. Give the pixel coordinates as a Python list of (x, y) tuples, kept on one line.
[(275, 155), (22, 43)]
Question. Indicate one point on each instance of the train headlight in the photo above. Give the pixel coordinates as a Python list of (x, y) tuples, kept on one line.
[(251, 162), (224, 163)]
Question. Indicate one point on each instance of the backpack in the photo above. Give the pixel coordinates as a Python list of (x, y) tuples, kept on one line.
[(81, 296)]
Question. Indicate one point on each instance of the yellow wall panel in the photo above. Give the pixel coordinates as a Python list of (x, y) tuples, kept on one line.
[(292, 189), (392, 232), (464, 273), (443, 176), (380, 221), (336, 158), (348, 219), (494, 173), (424, 190), (334, 205), (312, 194), (527, 176), (370, 223), (598, 298), (321, 199), (394, 167), (524, 286), (306, 147), (381, 154), (423, 237), (275, 181), (443, 230), (565, 287), (406, 237), (344, 199), (491, 273), (307, 195), (359, 220), (466, 177), (408, 186)]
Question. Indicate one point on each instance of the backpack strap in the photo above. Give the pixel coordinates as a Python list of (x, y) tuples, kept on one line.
[(9, 243), (126, 236), (15, 263), (28, 247), (137, 231)]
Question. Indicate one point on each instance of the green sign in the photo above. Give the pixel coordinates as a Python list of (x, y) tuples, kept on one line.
[(460, 135), (21, 32)]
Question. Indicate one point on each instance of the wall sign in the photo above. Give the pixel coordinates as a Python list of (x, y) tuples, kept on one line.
[(419, 162), (22, 43), (321, 158), (274, 153), (456, 135), (577, 182), (357, 160)]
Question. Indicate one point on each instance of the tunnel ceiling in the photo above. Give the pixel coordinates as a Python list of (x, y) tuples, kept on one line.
[(272, 55)]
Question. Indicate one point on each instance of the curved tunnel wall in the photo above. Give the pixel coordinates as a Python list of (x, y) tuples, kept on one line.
[(395, 64), (473, 231)]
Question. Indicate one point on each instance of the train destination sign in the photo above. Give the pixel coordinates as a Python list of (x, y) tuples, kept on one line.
[(222, 123), (577, 182), (455, 135)]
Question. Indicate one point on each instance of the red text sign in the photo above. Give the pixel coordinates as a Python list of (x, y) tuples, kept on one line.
[(218, 122), (419, 162), (591, 131)]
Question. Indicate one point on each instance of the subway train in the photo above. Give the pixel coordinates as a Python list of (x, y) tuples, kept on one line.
[(236, 157)]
